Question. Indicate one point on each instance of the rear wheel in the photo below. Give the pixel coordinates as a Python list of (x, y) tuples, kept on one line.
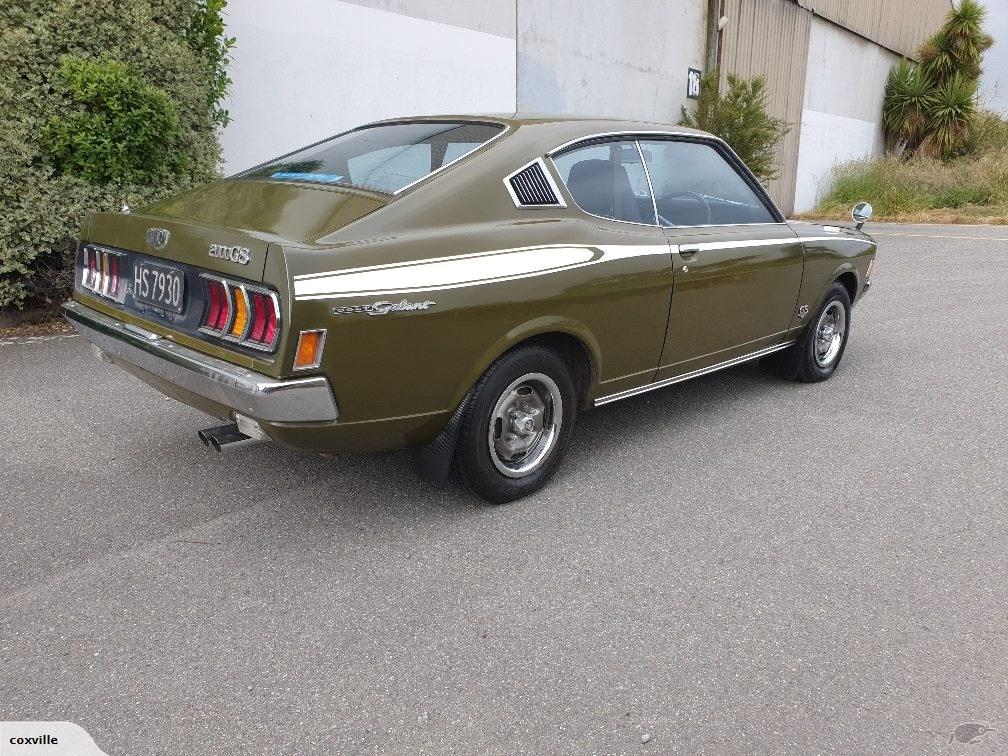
[(517, 426)]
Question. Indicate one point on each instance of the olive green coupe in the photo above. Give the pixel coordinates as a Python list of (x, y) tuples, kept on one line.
[(464, 286)]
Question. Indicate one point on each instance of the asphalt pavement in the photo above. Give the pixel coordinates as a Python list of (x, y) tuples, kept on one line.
[(731, 565)]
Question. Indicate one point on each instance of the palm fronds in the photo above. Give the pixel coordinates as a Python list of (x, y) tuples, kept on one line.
[(931, 107), (908, 99)]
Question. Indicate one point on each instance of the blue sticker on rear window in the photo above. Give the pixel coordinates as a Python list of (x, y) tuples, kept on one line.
[(324, 178)]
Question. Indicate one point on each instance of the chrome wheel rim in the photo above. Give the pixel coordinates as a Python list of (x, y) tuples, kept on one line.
[(525, 425), (829, 333)]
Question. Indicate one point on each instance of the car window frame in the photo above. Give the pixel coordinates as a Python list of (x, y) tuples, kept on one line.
[(505, 129), (591, 142), (719, 145)]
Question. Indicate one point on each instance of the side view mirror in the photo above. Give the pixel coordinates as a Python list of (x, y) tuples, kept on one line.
[(861, 214)]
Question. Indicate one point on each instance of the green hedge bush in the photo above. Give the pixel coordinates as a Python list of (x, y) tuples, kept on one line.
[(67, 65), (120, 127)]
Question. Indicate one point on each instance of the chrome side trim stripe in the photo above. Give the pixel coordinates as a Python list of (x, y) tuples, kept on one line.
[(741, 244), (806, 239), (745, 243), (463, 270), (693, 374), (497, 265)]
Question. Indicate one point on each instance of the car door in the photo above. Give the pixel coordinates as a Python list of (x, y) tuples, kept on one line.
[(626, 304), (738, 266)]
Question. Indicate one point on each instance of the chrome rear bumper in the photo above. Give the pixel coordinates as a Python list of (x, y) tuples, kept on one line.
[(302, 400)]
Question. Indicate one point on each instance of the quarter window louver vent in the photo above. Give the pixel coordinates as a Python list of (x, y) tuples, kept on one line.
[(532, 186)]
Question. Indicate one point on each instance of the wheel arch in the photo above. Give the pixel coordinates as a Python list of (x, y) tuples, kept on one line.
[(571, 338), (849, 280), (845, 273)]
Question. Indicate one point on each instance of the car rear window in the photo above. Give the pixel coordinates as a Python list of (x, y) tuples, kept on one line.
[(387, 157)]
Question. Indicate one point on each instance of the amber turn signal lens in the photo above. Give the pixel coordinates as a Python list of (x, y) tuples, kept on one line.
[(241, 312), (309, 349)]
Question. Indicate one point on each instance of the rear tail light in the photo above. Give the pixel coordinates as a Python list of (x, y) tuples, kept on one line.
[(102, 273), (242, 313)]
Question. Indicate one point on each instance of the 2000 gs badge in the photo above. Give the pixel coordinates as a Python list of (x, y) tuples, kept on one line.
[(572, 263)]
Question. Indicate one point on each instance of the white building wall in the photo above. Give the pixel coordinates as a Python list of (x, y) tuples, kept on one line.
[(841, 121), (622, 58), (994, 85), (306, 69)]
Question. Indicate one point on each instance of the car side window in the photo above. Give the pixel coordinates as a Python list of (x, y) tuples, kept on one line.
[(695, 185), (608, 180)]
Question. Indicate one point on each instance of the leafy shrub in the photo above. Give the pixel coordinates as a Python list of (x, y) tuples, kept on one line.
[(930, 108), (46, 184), (206, 34), (121, 127), (990, 133), (740, 118)]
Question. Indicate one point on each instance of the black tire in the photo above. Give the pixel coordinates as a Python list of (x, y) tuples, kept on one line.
[(476, 465), (809, 360)]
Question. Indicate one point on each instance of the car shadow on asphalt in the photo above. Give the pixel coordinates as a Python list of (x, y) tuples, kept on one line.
[(382, 484)]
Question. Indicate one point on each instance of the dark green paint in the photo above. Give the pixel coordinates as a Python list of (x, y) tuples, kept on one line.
[(398, 377)]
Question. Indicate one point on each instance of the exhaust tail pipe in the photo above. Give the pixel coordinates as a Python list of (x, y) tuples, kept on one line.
[(225, 436)]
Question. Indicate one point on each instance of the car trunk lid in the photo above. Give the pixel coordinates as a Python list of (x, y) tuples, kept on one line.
[(227, 226)]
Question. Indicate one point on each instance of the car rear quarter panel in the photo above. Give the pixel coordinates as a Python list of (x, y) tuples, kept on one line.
[(609, 289)]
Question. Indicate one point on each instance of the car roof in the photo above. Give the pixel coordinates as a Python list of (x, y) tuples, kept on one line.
[(562, 123)]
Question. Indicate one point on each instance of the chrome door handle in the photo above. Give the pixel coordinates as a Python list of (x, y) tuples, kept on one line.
[(689, 250)]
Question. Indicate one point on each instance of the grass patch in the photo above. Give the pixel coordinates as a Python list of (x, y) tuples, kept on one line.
[(968, 190), (922, 190)]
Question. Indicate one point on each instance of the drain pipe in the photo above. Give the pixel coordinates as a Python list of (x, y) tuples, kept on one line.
[(713, 29)]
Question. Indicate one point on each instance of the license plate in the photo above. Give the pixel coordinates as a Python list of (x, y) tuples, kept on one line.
[(159, 286)]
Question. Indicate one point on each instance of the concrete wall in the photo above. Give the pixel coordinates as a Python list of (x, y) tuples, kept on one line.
[(623, 58), (841, 119), (306, 69)]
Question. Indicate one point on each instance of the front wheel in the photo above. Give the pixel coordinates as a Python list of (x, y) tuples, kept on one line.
[(517, 425), (816, 355)]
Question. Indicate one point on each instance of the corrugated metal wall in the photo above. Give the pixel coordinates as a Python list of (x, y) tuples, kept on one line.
[(770, 38), (900, 25)]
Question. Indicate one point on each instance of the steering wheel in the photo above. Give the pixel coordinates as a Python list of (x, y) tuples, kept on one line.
[(696, 198)]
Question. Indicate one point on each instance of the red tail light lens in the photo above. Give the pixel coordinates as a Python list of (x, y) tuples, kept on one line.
[(242, 313), (218, 315), (258, 328), (264, 314), (101, 273)]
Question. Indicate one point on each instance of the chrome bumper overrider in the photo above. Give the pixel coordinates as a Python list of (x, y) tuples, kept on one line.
[(302, 400)]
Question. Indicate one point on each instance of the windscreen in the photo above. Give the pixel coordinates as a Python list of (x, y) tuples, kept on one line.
[(386, 157)]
